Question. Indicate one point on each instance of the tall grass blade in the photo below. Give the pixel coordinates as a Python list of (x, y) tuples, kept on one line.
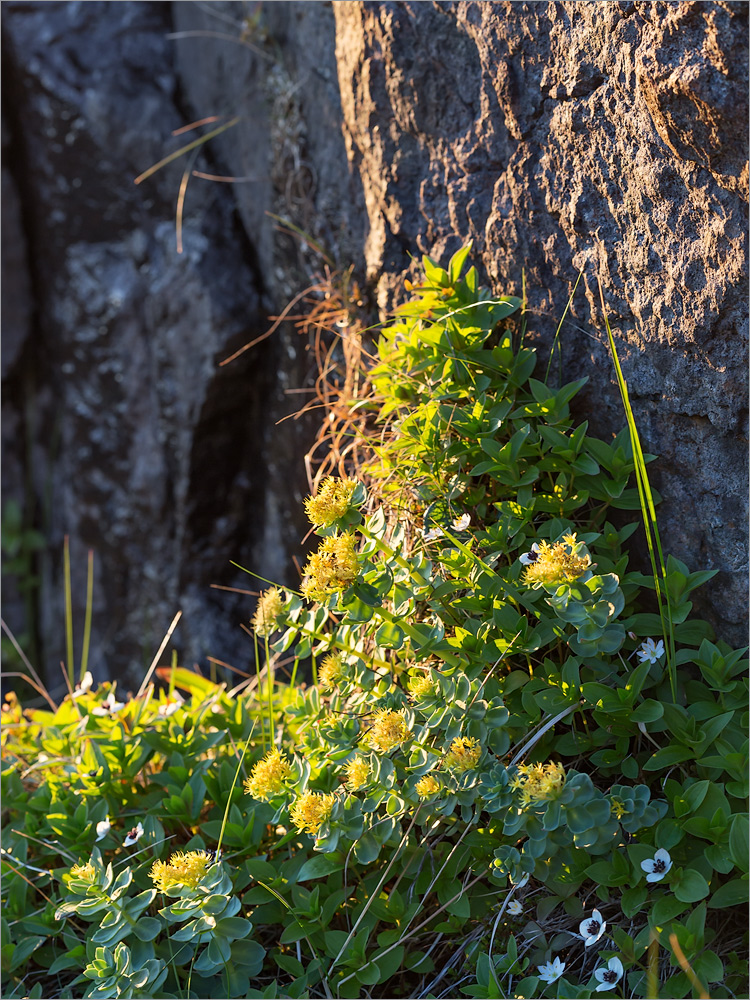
[(557, 332), (70, 667), (648, 511), (87, 619)]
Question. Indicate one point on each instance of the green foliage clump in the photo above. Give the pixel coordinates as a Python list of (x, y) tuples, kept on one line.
[(490, 790)]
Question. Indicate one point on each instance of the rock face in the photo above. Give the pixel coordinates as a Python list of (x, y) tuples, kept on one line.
[(608, 139), (139, 445), (560, 137)]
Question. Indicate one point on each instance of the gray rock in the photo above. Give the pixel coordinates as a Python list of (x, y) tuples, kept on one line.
[(607, 138)]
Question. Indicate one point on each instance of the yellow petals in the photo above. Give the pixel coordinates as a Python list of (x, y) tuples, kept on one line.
[(357, 773), (332, 501), (558, 563), (86, 873), (311, 810), (266, 619), (427, 786), (331, 671), (332, 568), (182, 869), (268, 776), (538, 783), (464, 754), (388, 730), (420, 686)]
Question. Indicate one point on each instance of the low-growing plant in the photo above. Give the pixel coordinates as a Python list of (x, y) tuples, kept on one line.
[(514, 775)]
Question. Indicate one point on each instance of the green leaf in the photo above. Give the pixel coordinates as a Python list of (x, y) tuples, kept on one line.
[(668, 757), (390, 636), (366, 849), (666, 908), (690, 887), (320, 866), (146, 928), (739, 847), (732, 893)]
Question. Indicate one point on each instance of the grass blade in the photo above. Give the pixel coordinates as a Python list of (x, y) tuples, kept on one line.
[(648, 511)]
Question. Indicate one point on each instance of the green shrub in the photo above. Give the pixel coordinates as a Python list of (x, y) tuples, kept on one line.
[(489, 791)]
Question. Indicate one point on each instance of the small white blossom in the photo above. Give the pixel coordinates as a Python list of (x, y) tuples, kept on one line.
[(658, 866), (514, 908), (110, 706), (608, 977), (171, 705), (551, 971), (432, 534), (531, 556), (461, 523), (650, 650), (103, 828), (84, 686), (592, 928), (133, 836)]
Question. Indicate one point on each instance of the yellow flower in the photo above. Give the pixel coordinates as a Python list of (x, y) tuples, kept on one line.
[(463, 754), (556, 564), (388, 730), (332, 501), (182, 869), (311, 810), (267, 617), (617, 807), (427, 786), (331, 671), (357, 773), (538, 783), (268, 776), (420, 686), (333, 567), (85, 872)]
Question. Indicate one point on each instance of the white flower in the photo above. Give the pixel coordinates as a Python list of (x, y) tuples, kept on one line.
[(109, 706), (658, 866), (461, 523), (515, 908), (592, 928), (610, 976), (84, 686), (133, 836), (432, 534), (103, 828), (650, 650), (531, 556), (171, 705), (551, 971)]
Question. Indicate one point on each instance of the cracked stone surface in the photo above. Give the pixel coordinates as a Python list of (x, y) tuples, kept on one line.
[(603, 138)]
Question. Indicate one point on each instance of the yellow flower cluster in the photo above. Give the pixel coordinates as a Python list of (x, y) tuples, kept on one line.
[(268, 776), (333, 567), (538, 783), (556, 564), (311, 810), (85, 872), (268, 612), (182, 869), (420, 686), (427, 786), (357, 773), (331, 671), (464, 754), (388, 730), (332, 501)]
